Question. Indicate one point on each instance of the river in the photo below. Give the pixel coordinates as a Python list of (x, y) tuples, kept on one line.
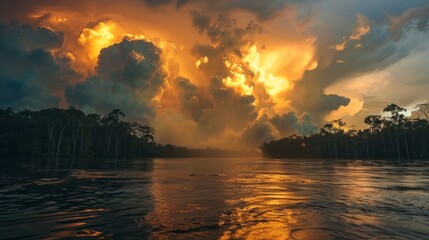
[(216, 199)]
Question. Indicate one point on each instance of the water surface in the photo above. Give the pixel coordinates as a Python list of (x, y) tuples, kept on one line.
[(216, 199)]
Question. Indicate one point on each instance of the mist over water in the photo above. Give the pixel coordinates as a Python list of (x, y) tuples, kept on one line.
[(216, 199)]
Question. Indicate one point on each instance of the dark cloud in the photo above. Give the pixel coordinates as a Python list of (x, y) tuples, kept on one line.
[(101, 95), (280, 125), (263, 10), (134, 63), (308, 97), (181, 3), (230, 110), (15, 35), (257, 133), (331, 102), (226, 43), (375, 51), (129, 76), (288, 124), (233, 108), (306, 124), (224, 30), (31, 76), (35, 65), (192, 101), (155, 3), (19, 94), (415, 18), (200, 21)]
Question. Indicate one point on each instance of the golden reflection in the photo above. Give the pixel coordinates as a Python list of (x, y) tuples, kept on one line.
[(269, 230), (265, 214), (358, 218), (72, 223), (361, 187), (84, 233), (303, 201), (88, 233)]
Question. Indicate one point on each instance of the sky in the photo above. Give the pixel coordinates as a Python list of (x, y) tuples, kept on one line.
[(227, 73)]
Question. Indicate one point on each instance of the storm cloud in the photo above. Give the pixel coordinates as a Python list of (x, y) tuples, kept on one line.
[(289, 124), (263, 10), (219, 72), (31, 77), (129, 76)]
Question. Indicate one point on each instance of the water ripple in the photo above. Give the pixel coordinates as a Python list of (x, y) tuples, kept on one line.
[(217, 199)]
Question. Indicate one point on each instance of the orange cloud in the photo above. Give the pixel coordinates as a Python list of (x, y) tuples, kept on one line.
[(340, 46), (95, 38), (362, 28)]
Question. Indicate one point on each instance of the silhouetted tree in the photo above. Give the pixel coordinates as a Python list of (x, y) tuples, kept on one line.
[(422, 111), (392, 137), (57, 133)]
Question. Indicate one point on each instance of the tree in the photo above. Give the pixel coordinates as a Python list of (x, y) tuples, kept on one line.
[(406, 138), (63, 122), (376, 125), (422, 111), (76, 118), (143, 132), (375, 122), (397, 118), (339, 125), (395, 112), (111, 123)]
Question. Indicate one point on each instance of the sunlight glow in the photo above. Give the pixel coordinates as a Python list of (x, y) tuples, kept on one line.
[(202, 60), (237, 78), (98, 37)]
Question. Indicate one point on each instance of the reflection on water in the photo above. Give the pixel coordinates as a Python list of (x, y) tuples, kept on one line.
[(262, 208), (216, 199)]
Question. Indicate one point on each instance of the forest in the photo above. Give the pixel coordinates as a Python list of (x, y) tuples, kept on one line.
[(393, 137), (70, 133)]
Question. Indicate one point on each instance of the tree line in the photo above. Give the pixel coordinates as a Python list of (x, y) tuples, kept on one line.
[(393, 137), (70, 133)]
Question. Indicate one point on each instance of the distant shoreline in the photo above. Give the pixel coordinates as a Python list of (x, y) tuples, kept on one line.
[(396, 137)]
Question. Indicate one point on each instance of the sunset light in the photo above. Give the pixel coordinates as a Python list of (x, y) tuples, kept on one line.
[(204, 119)]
